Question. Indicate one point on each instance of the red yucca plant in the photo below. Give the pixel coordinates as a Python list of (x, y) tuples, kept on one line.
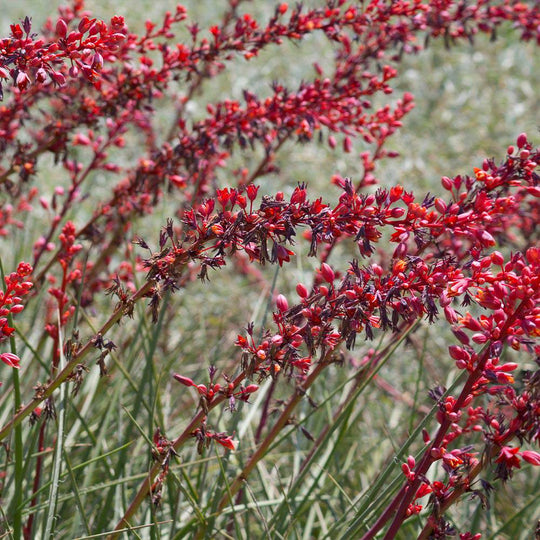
[(121, 190)]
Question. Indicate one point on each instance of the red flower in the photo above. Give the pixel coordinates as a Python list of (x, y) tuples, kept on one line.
[(227, 442), (509, 456)]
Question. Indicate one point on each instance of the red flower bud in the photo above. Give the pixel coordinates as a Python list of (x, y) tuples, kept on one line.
[(302, 291), (58, 78), (440, 205), (461, 335), (497, 258), (183, 380), (509, 366), (327, 273), (479, 338), (521, 140), (458, 353), (61, 28), (10, 359), (531, 457), (84, 25), (281, 303), (447, 183)]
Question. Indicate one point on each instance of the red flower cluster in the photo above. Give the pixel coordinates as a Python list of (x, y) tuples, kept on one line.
[(28, 61), (209, 392), (17, 285)]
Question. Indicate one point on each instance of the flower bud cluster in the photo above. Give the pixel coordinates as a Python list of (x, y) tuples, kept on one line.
[(17, 285)]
